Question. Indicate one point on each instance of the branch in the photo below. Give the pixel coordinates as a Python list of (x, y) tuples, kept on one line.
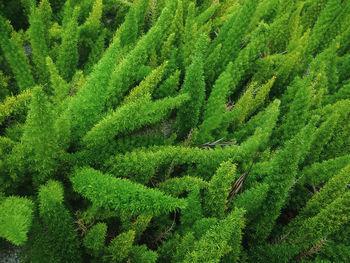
[(209, 145), (237, 186), (163, 234), (314, 249)]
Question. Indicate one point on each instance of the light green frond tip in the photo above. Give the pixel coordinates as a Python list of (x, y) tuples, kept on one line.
[(122, 195), (16, 214)]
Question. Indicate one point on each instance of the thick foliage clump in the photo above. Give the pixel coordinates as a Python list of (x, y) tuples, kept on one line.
[(175, 130)]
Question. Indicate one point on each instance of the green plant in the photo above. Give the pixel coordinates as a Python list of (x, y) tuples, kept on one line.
[(175, 131)]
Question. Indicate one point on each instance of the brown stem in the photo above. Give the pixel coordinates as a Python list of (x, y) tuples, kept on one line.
[(163, 234), (237, 186), (314, 249)]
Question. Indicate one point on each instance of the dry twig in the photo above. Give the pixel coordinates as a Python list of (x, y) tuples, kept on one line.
[(164, 233), (237, 186), (210, 145), (314, 249)]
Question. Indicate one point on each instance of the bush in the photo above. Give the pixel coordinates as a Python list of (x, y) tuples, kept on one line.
[(175, 131)]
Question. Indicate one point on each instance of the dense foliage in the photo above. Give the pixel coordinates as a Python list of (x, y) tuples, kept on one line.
[(175, 130)]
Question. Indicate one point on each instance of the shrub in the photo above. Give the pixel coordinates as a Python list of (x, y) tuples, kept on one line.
[(175, 131)]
